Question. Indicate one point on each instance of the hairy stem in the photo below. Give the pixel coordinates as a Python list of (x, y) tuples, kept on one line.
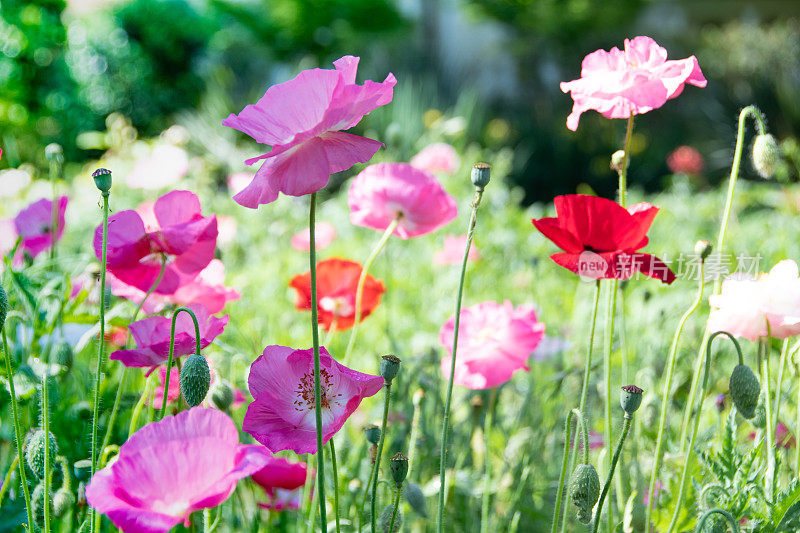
[(562, 479), (487, 466), (376, 468), (172, 352), (335, 485), (626, 426)]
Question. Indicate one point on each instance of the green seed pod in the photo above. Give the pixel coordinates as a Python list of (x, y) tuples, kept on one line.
[(373, 434), (102, 180), (3, 306), (766, 155), (390, 366), (37, 504), (222, 394), (584, 491), (62, 501), (415, 498), (83, 469), (195, 379), (744, 389), (385, 519), (630, 398), (481, 174), (34, 452), (63, 355), (398, 465)]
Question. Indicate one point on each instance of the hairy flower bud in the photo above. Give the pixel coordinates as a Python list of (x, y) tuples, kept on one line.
[(617, 160), (222, 395), (62, 501), (102, 180), (386, 519), (390, 366), (398, 465), (744, 389), (630, 398), (415, 498), (703, 249), (38, 503), (481, 174), (53, 152), (34, 452), (584, 491), (766, 155), (373, 434), (83, 469), (195, 379), (63, 354)]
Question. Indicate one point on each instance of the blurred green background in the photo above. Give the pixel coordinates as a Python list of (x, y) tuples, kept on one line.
[(493, 65)]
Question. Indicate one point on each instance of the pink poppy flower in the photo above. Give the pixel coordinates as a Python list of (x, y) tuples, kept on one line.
[(165, 165), (494, 341), (783, 437), (453, 251), (282, 481), (621, 83), (152, 337), (175, 230), (324, 234), (174, 386), (281, 380), (34, 222), (437, 157), (685, 160), (380, 193), (302, 119), (8, 236), (171, 468)]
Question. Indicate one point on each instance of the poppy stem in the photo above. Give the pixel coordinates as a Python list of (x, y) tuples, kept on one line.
[(55, 172), (770, 429), (611, 310), (758, 118), (487, 467), (728, 518), (626, 426), (335, 484), (149, 387), (623, 171), (172, 351), (363, 278), (397, 492), (562, 480), (100, 348), (376, 468), (473, 218), (667, 388), (312, 260), (17, 428), (781, 368)]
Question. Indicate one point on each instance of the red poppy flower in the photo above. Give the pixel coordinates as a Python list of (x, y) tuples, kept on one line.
[(601, 239), (337, 282)]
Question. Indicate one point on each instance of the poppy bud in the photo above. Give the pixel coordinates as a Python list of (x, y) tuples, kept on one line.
[(373, 434), (416, 399), (766, 155), (62, 501), (34, 452), (102, 180), (83, 469), (54, 153), (195, 379), (584, 490), (390, 366), (480, 175), (222, 395), (415, 498), (744, 388), (3, 307), (630, 398), (63, 355), (38, 503), (398, 465), (617, 159), (703, 249), (386, 519)]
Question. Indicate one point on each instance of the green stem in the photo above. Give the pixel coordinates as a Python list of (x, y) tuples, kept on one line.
[(363, 278), (376, 468), (769, 430), (623, 171), (100, 349), (446, 419), (608, 338), (728, 518), (17, 428), (626, 426), (46, 427), (781, 367), (487, 466), (335, 485), (55, 170), (312, 260), (397, 491), (172, 351), (149, 386), (667, 388), (562, 480), (7, 479)]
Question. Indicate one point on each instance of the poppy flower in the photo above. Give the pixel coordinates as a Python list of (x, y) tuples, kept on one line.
[(324, 234), (282, 481), (171, 468), (152, 336), (281, 381), (620, 83), (437, 157), (453, 251), (337, 283), (34, 225), (601, 239), (174, 230), (302, 120), (383, 192), (494, 341)]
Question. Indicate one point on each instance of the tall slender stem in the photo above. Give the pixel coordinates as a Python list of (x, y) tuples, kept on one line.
[(608, 338), (562, 480), (101, 347), (626, 426), (376, 468), (17, 428), (55, 171), (667, 388), (623, 171), (769, 430), (335, 485), (363, 278), (397, 491), (725, 514), (312, 260), (446, 419), (487, 466), (172, 352), (781, 367)]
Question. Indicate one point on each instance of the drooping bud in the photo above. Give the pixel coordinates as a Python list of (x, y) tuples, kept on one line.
[(222, 395), (3, 307), (481, 174), (766, 155), (83, 469), (584, 491), (34, 451), (62, 501), (195, 379), (744, 388), (390, 366), (398, 465), (617, 160), (415, 498), (703, 249), (63, 354), (630, 398), (386, 519), (102, 180), (38, 503), (373, 434)]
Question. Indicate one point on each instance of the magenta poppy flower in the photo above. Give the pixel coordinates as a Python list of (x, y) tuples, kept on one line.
[(324, 235), (171, 468), (453, 251), (494, 341), (437, 157), (282, 481), (302, 119), (34, 225), (152, 337), (381, 193), (175, 230), (281, 380), (621, 83)]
